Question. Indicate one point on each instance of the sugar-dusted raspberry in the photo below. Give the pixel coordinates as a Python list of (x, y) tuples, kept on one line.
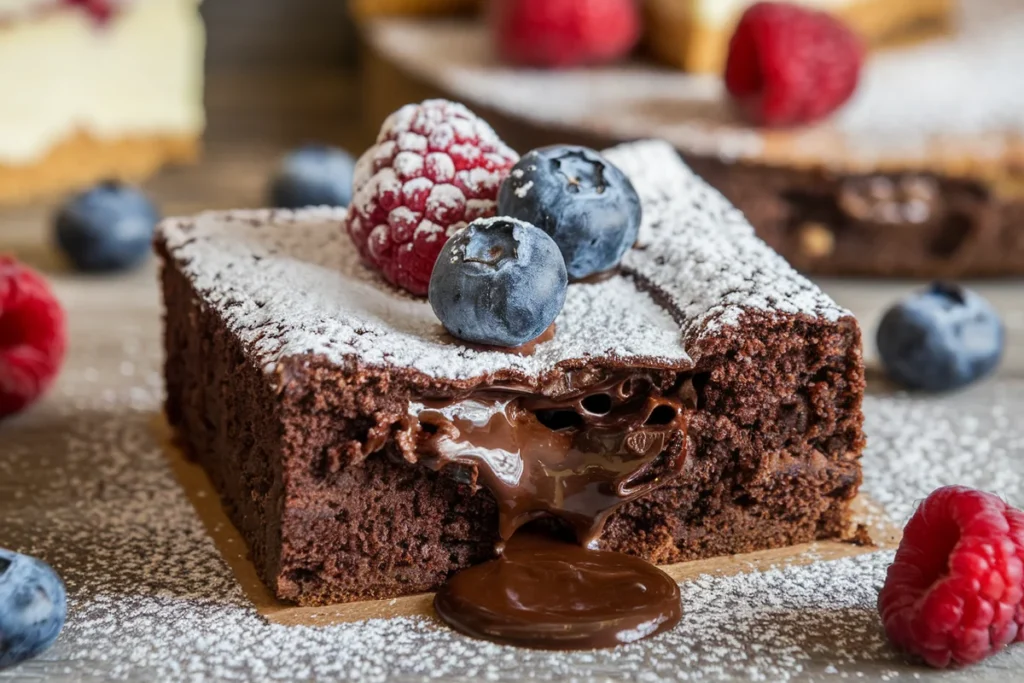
[(953, 594), (436, 166), (789, 65), (32, 336), (1016, 520)]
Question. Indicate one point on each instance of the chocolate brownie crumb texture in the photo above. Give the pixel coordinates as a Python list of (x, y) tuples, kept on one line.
[(291, 368)]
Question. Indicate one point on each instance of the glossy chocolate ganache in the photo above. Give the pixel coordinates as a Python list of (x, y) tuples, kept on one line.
[(576, 459)]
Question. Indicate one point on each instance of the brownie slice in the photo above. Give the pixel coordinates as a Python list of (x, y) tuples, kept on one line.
[(291, 369)]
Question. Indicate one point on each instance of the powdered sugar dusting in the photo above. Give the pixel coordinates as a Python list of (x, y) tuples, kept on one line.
[(150, 598), (290, 284), (412, 168), (701, 253), (84, 485)]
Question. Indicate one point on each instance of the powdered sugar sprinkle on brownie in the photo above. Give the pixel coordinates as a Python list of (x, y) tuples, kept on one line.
[(290, 284), (701, 254)]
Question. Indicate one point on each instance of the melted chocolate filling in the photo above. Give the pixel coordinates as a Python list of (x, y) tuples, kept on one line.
[(545, 594), (575, 459)]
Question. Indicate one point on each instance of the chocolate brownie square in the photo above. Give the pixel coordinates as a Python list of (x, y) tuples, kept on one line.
[(296, 377)]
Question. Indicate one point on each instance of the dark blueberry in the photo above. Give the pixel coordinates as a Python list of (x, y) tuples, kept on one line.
[(315, 175), (579, 198), (942, 338), (498, 281), (107, 228), (33, 606)]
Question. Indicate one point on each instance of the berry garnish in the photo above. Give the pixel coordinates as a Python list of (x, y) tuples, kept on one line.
[(940, 339), (314, 175), (33, 336), (99, 10), (33, 605), (579, 198), (107, 228), (563, 33), (436, 167), (500, 282), (954, 590), (789, 65)]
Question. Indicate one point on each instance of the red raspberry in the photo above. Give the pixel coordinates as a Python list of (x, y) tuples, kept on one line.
[(789, 65), (436, 167), (100, 10), (562, 33), (953, 594), (1016, 520), (32, 336)]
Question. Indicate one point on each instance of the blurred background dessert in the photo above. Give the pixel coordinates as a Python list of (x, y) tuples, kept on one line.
[(917, 171), (694, 34), (96, 89)]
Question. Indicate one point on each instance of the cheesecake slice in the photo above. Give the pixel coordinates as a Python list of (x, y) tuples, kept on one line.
[(694, 34), (96, 90)]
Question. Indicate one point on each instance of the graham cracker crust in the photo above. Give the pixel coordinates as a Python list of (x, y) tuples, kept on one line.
[(995, 159), (675, 38), (82, 159), (365, 9)]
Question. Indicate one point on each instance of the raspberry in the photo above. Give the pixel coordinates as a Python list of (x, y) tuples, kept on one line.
[(32, 336), (953, 593), (436, 167), (789, 65), (563, 33), (100, 10)]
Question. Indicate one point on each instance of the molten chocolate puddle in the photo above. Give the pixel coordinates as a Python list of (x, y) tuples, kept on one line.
[(545, 594), (576, 459)]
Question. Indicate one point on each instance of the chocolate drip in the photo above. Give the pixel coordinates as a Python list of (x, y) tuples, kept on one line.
[(544, 594), (527, 349), (575, 459)]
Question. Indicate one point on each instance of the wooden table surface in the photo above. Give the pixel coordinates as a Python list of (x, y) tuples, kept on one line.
[(254, 115)]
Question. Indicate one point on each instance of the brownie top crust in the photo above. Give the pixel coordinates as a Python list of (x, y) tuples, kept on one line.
[(290, 284)]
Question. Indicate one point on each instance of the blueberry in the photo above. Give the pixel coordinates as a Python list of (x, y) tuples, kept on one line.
[(942, 338), (107, 228), (33, 606), (498, 281), (314, 175), (579, 198)]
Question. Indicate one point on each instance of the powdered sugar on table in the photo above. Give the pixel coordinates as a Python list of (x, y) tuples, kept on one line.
[(151, 598), (85, 485)]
